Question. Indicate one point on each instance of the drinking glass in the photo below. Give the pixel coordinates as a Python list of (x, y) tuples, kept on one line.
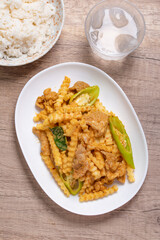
[(114, 29)]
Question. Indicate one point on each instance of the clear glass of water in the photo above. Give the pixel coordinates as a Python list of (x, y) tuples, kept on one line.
[(114, 29)]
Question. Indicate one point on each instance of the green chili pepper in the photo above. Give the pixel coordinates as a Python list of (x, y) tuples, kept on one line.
[(59, 138), (93, 92), (119, 134), (67, 181)]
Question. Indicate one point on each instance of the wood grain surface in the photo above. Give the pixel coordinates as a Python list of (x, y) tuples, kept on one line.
[(25, 210)]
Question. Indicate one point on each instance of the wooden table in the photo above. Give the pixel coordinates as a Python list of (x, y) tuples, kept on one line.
[(25, 210)]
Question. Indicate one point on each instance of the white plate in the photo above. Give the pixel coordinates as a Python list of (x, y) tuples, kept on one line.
[(58, 20), (113, 97)]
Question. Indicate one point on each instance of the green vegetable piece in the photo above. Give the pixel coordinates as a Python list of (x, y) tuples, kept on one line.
[(59, 138), (116, 126), (92, 91), (67, 180)]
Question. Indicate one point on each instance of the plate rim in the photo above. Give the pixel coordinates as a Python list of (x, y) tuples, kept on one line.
[(11, 64), (128, 101)]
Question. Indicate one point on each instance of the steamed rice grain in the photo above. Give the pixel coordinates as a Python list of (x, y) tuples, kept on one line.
[(25, 26)]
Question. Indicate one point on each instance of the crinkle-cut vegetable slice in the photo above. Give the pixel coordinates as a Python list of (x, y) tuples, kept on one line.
[(93, 92), (120, 135)]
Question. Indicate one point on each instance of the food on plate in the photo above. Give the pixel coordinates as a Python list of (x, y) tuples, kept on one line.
[(86, 96), (122, 140), (59, 138), (85, 147), (25, 26)]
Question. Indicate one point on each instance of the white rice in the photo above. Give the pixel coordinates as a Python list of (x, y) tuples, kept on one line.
[(25, 26)]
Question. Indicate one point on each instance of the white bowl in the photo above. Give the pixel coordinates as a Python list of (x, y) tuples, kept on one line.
[(58, 24), (113, 98)]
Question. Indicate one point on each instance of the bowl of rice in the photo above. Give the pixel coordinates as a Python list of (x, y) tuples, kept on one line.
[(28, 29)]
